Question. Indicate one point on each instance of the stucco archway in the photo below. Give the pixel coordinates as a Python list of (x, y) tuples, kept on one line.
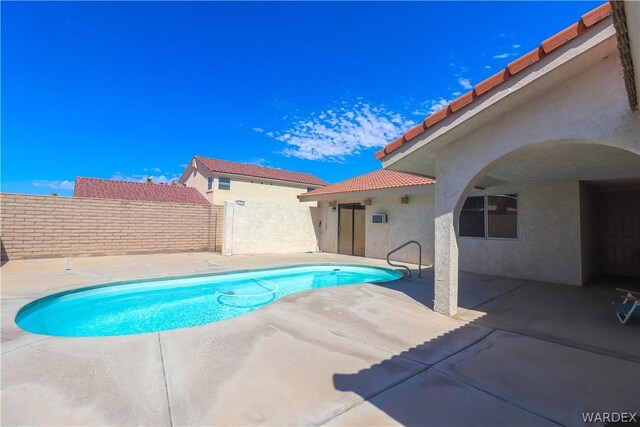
[(560, 163)]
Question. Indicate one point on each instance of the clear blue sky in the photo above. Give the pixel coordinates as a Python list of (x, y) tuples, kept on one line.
[(129, 90)]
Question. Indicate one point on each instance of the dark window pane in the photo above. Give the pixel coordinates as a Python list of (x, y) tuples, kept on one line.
[(209, 183), (224, 183), (503, 216), (472, 217)]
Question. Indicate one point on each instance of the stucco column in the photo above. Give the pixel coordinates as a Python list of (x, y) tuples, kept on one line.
[(446, 243), (446, 266)]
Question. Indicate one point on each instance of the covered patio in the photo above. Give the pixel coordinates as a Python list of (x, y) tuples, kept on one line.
[(352, 355), (549, 149)]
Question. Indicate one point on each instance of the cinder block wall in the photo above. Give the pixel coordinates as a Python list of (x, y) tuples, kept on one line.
[(46, 226)]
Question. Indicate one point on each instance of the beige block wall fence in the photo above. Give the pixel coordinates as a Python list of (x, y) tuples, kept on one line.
[(47, 227)]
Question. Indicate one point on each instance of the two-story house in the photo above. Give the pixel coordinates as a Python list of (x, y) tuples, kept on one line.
[(221, 180)]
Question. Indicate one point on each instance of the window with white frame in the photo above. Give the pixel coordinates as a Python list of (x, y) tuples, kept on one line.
[(210, 183), (490, 216), (224, 183)]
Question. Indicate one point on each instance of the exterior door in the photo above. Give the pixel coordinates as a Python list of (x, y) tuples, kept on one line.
[(619, 234), (351, 229)]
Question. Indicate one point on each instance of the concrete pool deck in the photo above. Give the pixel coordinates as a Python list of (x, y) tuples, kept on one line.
[(518, 353)]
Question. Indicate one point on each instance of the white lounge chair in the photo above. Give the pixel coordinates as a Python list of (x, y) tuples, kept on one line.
[(629, 307)]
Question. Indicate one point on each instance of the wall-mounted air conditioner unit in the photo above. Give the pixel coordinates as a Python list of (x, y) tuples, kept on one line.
[(379, 218)]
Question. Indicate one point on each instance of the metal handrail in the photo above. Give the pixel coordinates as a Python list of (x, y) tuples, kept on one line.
[(404, 266)]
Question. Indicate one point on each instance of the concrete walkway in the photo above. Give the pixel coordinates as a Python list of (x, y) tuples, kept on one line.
[(519, 353)]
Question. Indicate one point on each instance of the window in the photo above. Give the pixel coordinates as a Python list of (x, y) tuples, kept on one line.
[(502, 216), (472, 217), (494, 216), (310, 189), (224, 183), (210, 183)]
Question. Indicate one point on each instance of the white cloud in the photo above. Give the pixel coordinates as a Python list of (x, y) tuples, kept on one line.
[(431, 106), (465, 83), (259, 130), (438, 105), (151, 169), (456, 93), (56, 185), (502, 55), (157, 179), (341, 131), (515, 46), (488, 67)]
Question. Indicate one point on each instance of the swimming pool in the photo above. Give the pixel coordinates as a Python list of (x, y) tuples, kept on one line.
[(126, 308)]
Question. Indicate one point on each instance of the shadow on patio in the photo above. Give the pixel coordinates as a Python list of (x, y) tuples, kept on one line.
[(551, 353)]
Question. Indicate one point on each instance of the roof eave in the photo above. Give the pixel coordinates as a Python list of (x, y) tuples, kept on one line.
[(365, 194)]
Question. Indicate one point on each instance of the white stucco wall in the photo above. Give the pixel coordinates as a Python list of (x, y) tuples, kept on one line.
[(548, 246), (267, 228), (548, 225), (327, 226), (412, 221)]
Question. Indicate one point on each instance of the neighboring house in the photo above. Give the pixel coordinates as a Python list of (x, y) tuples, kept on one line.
[(126, 190), (401, 204), (537, 167), (221, 180)]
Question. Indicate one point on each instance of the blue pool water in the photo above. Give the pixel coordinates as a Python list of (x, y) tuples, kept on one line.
[(156, 305)]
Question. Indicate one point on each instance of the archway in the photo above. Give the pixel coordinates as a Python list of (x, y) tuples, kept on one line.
[(551, 186)]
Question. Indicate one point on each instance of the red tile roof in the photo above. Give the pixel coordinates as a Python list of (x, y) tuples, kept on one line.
[(376, 180), (127, 190), (236, 168), (587, 20)]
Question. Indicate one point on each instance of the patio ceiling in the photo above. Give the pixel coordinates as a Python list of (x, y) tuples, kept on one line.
[(566, 162)]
